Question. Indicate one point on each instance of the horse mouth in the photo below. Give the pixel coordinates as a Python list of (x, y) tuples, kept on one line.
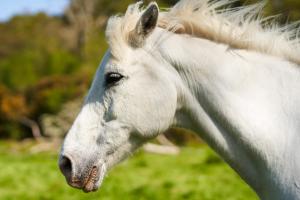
[(94, 178)]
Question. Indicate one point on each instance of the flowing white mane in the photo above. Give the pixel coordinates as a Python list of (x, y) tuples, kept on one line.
[(241, 28)]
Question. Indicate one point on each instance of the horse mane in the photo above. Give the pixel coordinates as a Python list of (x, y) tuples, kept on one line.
[(240, 28)]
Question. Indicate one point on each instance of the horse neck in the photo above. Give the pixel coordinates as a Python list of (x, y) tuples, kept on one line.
[(224, 97)]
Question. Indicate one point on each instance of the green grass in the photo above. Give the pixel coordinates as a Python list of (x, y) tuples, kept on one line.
[(196, 173)]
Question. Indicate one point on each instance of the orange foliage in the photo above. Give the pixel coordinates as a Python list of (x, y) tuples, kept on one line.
[(12, 106)]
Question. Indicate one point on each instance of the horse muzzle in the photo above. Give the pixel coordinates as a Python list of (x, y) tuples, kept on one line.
[(88, 178)]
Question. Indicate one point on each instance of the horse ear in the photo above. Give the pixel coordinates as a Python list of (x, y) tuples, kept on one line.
[(146, 24), (148, 20)]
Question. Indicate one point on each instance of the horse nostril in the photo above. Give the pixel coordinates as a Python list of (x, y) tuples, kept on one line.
[(65, 166)]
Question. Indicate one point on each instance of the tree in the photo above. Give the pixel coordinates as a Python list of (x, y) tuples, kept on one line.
[(13, 110)]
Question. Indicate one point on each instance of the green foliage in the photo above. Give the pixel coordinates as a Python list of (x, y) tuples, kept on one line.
[(196, 173), (108, 7), (293, 9), (12, 130), (32, 48), (94, 49)]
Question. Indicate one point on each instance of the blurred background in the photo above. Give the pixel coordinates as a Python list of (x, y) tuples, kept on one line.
[(49, 51)]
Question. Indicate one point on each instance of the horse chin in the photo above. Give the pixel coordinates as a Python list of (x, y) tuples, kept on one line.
[(95, 179), (96, 175)]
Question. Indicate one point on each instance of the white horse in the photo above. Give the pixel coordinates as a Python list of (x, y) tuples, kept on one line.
[(225, 73)]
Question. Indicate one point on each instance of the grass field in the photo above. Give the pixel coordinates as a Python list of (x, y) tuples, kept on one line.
[(196, 173)]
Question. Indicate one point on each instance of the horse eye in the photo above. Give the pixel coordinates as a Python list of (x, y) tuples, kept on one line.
[(112, 78)]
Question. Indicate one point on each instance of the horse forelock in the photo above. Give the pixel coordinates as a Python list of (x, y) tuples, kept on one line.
[(241, 28), (119, 28)]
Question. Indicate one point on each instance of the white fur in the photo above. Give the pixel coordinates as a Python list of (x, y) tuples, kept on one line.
[(245, 104), (242, 28)]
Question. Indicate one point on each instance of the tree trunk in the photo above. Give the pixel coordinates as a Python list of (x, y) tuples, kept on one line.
[(35, 129)]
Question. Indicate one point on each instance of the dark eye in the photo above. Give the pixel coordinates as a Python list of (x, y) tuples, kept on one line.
[(112, 78)]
